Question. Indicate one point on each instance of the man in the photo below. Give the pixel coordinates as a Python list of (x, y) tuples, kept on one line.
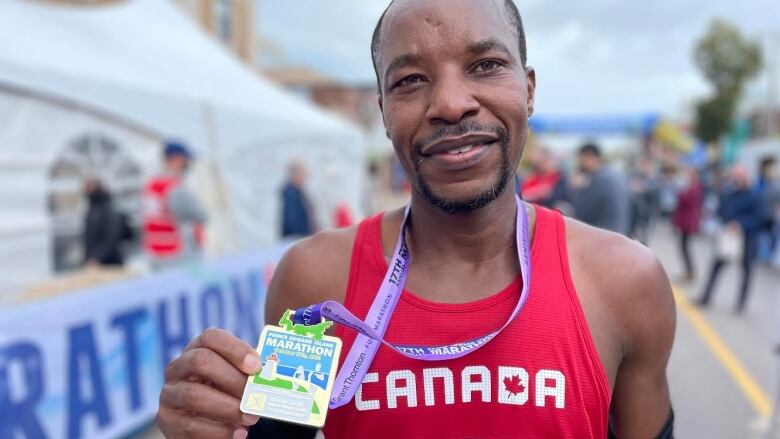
[(644, 198), (768, 188), (687, 217), (103, 227), (297, 220), (741, 212), (545, 185), (173, 217), (599, 193), (594, 336)]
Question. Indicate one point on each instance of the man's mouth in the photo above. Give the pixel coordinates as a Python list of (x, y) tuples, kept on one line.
[(458, 153), (458, 145), (461, 150)]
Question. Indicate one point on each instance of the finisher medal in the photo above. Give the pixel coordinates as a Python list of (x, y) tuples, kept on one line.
[(298, 368)]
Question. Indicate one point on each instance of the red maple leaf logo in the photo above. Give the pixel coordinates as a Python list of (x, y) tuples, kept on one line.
[(512, 385)]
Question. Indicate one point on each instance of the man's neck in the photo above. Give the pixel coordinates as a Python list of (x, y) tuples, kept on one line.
[(471, 238)]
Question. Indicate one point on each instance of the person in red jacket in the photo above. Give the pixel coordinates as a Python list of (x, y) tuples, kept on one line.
[(687, 216), (173, 218), (545, 185)]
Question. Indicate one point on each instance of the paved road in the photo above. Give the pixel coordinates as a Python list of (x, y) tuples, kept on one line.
[(712, 401)]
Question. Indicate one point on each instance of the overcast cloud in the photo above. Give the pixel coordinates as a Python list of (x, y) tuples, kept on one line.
[(604, 56)]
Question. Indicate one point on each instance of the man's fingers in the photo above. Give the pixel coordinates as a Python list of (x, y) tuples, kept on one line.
[(204, 401), (229, 347), (176, 424), (209, 365)]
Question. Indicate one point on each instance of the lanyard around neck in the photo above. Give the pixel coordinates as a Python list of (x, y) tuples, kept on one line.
[(371, 331)]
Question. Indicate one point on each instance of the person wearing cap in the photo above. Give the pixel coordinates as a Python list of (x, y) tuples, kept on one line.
[(173, 215)]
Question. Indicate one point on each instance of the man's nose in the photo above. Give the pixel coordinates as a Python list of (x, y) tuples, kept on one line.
[(452, 100)]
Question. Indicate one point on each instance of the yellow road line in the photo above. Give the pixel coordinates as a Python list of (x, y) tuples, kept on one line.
[(734, 367)]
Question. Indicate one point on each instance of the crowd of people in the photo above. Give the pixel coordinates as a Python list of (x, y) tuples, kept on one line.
[(740, 215), (173, 219)]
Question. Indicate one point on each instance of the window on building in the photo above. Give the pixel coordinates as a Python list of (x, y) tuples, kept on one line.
[(222, 16), (88, 156)]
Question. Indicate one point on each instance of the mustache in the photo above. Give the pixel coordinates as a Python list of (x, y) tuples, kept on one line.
[(462, 128)]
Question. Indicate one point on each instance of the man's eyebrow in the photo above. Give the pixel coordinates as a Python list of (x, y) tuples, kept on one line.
[(487, 45), (401, 61)]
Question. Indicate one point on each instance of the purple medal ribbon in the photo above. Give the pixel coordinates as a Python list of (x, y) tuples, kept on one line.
[(371, 331)]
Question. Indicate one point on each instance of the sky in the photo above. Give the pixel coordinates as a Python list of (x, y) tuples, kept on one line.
[(590, 56)]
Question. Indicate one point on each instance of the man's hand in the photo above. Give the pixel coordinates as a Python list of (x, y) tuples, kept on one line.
[(203, 388)]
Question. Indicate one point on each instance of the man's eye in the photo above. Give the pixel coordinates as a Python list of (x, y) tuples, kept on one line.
[(409, 80), (488, 65)]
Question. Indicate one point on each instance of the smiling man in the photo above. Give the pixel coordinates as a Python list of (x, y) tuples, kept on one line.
[(582, 333)]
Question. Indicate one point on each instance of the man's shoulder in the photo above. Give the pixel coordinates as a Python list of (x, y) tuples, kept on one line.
[(324, 248), (610, 255), (312, 270), (623, 274)]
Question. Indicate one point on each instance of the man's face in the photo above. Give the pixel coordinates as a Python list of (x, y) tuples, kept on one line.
[(455, 98), (178, 163), (771, 172), (541, 162), (587, 162)]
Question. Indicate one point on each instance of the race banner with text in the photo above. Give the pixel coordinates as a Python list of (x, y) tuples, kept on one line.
[(89, 364)]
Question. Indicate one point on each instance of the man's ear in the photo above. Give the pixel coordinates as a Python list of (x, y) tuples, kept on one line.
[(530, 74)]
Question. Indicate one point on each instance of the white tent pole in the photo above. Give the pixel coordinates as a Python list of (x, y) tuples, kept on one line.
[(223, 225)]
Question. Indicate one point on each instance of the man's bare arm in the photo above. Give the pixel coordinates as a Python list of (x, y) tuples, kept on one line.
[(203, 386), (640, 401)]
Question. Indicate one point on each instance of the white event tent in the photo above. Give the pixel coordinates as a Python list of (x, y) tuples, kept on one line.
[(93, 90)]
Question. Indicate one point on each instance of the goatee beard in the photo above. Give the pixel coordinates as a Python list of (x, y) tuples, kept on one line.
[(484, 198)]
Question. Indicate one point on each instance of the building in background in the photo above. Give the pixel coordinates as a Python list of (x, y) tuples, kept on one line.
[(356, 102), (231, 21)]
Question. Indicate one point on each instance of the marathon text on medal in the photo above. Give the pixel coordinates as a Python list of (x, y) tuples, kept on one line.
[(299, 347)]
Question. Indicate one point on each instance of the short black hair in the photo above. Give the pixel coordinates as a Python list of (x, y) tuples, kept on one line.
[(766, 163), (590, 148), (515, 20)]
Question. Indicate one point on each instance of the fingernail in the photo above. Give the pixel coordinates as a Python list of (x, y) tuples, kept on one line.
[(249, 420), (240, 434), (252, 362)]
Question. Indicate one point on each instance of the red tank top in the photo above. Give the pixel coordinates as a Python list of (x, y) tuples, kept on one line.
[(540, 378)]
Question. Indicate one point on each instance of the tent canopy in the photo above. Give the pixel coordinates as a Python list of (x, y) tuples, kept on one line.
[(145, 61), (140, 71)]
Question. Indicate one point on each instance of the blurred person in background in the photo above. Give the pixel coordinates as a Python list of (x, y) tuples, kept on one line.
[(687, 216), (343, 216), (103, 228), (173, 217), (546, 183), (767, 173), (711, 177), (372, 188), (644, 198), (768, 188), (297, 215), (600, 193), (669, 186), (740, 211)]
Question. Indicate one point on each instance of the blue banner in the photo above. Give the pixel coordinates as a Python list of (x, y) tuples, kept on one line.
[(90, 364), (641, 124)]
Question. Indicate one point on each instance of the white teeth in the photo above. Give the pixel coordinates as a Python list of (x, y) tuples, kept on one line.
[(460, 150)]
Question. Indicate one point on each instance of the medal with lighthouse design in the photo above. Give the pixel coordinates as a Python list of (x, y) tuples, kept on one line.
[(298, 368)]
